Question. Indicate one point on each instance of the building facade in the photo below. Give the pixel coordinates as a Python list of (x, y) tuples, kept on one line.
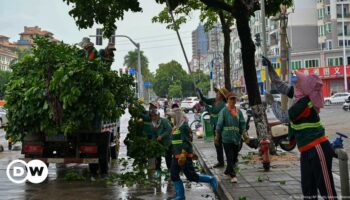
[(26, 37), (7, 53)]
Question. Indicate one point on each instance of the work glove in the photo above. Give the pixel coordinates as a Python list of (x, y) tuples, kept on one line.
[(182, 158), (245, 137), (276, 82)]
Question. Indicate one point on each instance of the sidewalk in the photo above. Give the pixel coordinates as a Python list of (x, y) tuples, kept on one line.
[(281, 182)]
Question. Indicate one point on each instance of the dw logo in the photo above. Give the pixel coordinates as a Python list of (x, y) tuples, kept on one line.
[(34, 171)]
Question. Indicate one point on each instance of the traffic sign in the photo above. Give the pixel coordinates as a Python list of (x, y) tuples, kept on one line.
[(132, 71), (147, 84)]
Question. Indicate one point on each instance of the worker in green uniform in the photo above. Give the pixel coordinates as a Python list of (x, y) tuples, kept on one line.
[(162, 130), (89, 52), (214, 106), (229, 128), (147, 121), (182, 155), (306, 130)]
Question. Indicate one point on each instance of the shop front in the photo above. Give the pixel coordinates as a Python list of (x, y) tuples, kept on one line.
[(332, 78)]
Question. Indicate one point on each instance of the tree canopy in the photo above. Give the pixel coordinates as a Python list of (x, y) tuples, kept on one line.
[(131, 61)]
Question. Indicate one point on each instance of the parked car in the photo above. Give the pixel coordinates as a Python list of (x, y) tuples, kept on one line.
[(336, 98), (3, 118), (161, 102), (188, 104)]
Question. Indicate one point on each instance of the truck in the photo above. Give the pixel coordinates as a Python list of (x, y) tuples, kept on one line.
[(66, 111), (95, 148)]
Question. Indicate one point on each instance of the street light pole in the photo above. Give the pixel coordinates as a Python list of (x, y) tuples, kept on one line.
[(345, 60), (139, 74)]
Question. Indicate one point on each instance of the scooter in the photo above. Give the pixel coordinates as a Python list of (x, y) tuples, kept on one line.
[(279, 132)]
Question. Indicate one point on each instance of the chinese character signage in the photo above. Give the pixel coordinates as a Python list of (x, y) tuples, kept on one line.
[(327, 72)]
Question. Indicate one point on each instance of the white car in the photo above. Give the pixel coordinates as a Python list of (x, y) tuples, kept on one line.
[(3, 118), (188, 103), (336, 98)]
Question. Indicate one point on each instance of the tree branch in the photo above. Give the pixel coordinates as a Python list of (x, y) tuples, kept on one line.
[(219, 5)]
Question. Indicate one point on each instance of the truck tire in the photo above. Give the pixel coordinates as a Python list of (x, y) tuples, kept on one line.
[(104, 152)]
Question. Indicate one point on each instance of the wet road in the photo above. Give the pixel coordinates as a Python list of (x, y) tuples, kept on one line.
[(55, 187)]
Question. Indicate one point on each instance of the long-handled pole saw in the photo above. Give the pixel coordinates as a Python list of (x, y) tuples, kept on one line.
[(182, 46)]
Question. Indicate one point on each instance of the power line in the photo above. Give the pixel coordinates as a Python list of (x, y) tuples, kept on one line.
[(149, 41), (147, 38), (162, 46)]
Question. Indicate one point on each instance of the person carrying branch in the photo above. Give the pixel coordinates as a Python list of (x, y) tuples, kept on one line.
[(214, 106), (182, 155), (307, 131), (161, 131)]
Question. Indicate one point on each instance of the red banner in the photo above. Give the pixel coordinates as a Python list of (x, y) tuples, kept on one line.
[(327, 72)]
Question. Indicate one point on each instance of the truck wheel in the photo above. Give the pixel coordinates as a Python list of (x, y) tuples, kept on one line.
[(93, 167), (186, 111)]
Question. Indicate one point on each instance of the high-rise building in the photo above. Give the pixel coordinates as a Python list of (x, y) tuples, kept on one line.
[(199, 48)]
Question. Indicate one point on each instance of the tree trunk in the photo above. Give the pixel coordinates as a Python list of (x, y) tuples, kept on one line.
[(227, 40), (248, 58)]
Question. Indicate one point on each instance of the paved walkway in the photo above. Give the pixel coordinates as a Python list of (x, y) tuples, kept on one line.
[(282, 182)]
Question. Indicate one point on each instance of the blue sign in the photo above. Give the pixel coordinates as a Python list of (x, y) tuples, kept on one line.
[(273, 59), (132, 71), (147, 84)]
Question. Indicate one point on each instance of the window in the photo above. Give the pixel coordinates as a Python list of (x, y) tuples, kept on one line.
[(347, 43), (329, 44), (335, 61), (276, 65), (296, 64), (311, 63), (328, 28), (328, 10)]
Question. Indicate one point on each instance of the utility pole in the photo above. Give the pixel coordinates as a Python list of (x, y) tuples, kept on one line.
[(345, 60), (284, 50), (264, 46)]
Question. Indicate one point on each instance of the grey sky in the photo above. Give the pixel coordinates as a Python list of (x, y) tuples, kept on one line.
[(159, 44)]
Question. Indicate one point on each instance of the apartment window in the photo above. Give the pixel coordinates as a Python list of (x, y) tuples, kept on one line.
[(320, 13), (328, 10), (335, 61), (328, 27), (311, 63), (329, 44), (347, 43), (276, 65), (296, 64)]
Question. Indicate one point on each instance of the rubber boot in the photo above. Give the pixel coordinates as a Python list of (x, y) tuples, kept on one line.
[(180, 190), (208, 179)]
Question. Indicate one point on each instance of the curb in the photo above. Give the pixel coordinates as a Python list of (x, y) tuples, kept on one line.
[(221, 190)]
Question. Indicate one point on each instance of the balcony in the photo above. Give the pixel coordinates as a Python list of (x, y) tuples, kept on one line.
[(346, 15)]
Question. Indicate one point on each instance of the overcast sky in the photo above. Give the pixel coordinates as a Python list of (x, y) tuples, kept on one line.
[(159, 44)]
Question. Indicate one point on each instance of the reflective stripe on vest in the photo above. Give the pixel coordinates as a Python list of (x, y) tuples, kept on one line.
[(214, 115), (176, 142), (147, 123), (176, 132), (231, 128), (302, 126), (310, 105)]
